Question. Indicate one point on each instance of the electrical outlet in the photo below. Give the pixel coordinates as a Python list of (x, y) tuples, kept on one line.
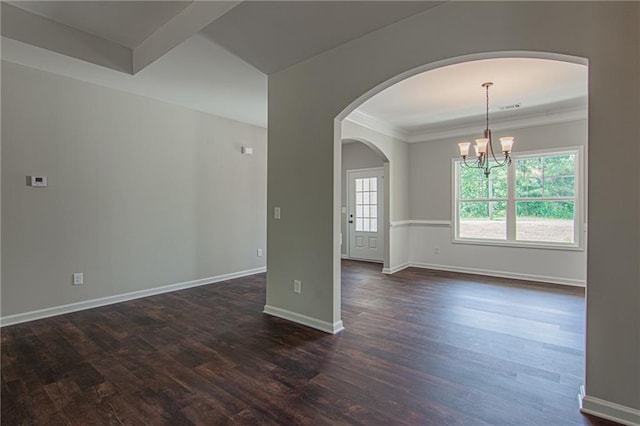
[(297, 286), (78, 278), (436, 250), (259, 252)]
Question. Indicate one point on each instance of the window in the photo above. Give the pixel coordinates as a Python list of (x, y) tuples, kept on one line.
[(536, 201), (367, 204)]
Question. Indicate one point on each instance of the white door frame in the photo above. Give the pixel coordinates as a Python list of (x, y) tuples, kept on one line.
[(381, 209)]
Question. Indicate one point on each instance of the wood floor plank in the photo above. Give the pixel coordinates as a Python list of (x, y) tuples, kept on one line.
[(420, 347)]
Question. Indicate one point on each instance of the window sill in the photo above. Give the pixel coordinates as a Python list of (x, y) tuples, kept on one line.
[(520, 244)]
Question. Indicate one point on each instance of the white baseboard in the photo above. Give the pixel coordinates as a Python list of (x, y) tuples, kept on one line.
[(396, 268), (325, 326), (109, 300), (502, 274), (608, 410), (344, 256)]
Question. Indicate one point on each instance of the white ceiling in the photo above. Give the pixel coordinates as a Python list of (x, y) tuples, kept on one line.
[(197, 74), (206, 71), (272, 35), (124, 22), (453, 96)]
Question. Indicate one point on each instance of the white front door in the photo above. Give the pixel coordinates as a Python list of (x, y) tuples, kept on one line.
[(365, 214)]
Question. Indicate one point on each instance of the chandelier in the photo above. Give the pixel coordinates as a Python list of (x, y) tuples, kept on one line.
[(484, 147)]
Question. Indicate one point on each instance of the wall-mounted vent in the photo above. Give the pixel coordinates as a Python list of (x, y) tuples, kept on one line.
[(510, 107)]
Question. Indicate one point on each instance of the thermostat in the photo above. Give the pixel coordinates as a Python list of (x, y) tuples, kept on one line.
[(37, 180)]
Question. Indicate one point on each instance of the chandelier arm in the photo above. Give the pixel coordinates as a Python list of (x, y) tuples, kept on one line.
[(491, 149), (470, 166), (505, 162)]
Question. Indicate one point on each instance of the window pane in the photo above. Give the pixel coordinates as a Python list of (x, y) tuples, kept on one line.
[(365, 198), (529, 177), (473, 189), (529, 167), (546, 176), (560, 165), (545, 221), (498, 183), (366, 205), (529, 187), (473, 184), (483, 220), (559, 186), (470, 174), (373, 185)]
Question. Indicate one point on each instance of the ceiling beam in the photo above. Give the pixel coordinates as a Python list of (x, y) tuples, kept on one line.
[(189, 21), (30, 28), (27, 27)]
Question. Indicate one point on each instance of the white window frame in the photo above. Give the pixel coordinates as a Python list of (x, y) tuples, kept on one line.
[(579, 204)]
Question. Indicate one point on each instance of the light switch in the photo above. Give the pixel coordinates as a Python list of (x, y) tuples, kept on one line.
[(276, 212)]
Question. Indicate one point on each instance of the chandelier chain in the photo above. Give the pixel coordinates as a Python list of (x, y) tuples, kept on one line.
[(487, 103)]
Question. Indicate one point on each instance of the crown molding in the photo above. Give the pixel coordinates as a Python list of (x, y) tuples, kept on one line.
[(377, 125), (515, 123), (572, 110)]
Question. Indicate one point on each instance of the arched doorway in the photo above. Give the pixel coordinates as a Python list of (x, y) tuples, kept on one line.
[(362, 158), (398, 237)]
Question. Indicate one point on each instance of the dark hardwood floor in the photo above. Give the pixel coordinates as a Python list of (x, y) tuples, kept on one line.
[(420, 347)]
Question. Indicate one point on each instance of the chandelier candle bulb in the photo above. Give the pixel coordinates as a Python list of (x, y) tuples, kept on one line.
[(507, 143), (482, 145), (464, 148)]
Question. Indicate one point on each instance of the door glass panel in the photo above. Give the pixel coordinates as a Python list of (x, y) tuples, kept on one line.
[(366, 204)]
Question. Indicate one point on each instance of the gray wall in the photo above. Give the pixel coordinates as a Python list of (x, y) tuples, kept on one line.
[(431, 199), (141, 193), (305, 99), (430, 186), (355, 155)]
